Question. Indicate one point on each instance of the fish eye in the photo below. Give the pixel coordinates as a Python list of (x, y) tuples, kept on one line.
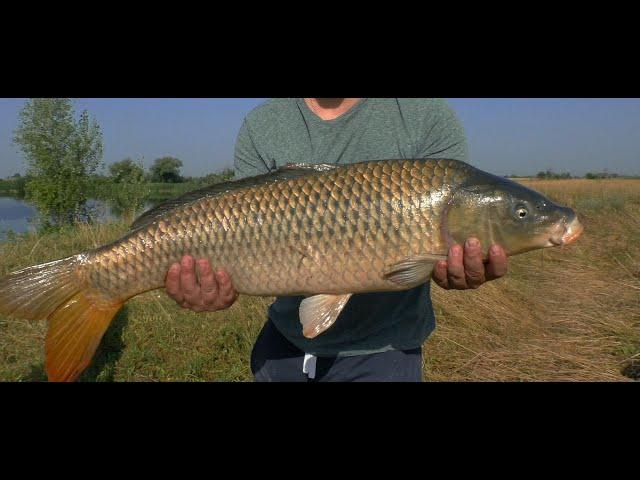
[(521, 212)]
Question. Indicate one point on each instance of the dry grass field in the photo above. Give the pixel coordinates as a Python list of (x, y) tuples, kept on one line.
[(562, 314)]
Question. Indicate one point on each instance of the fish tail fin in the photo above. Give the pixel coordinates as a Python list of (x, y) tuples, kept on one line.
[(77, 317), (75, 330)]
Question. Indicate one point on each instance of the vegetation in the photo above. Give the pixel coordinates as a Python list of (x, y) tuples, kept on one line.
[(600, 175), (14, 185), (565, 314), (63, 156), (551, 175), (61, 153), (159, 192), (166, 170), (127, 190), (126, 171), (223, 176)]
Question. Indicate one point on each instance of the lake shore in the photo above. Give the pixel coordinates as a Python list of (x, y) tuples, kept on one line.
[(18, 215)]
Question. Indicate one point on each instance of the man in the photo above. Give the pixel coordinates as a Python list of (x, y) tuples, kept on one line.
[(379, 336)]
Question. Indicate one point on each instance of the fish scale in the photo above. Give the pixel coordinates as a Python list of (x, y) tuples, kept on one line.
[(315, 234)]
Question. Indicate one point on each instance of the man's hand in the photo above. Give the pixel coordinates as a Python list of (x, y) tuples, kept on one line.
[(213, 292), (465, 269)]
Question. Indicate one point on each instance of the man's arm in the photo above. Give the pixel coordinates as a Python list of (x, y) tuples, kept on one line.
[(441, 136)]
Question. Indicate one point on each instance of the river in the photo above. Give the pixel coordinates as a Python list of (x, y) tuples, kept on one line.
[(17, 215)]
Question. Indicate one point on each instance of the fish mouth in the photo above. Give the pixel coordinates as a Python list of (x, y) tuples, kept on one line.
[(569, 232)]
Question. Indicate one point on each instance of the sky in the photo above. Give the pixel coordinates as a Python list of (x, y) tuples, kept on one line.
[(505, 136)]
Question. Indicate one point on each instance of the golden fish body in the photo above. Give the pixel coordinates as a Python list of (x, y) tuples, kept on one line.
[(327, 231), (333, 232)]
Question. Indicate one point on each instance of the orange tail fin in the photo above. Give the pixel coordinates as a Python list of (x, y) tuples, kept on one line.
[(77, 318), (75, 331)]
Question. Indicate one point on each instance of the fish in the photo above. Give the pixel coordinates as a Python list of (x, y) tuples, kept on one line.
[(323, 231)]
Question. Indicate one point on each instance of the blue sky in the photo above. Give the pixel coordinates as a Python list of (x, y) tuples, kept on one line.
[(506, 136)]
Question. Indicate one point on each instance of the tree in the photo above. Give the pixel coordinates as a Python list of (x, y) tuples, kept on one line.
[(61, 153), (126, 171), (132, 190), (166, 170)]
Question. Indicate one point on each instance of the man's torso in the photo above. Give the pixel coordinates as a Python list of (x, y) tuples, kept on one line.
[(285, 131)]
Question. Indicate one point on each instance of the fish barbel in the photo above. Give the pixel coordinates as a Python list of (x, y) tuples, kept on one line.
[(324, 231)]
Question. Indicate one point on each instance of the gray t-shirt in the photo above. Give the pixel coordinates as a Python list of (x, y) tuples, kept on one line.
[(281, 131)]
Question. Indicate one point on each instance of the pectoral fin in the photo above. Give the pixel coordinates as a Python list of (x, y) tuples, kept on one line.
[(412, 271), (317, 313)]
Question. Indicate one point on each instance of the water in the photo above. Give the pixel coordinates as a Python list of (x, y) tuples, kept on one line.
[(15, 215), (18, 216)]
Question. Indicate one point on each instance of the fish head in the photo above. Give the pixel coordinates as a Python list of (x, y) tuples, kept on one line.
[(497, 210)]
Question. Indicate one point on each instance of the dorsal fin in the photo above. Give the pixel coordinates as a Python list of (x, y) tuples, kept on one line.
[(315, 167), (287, 172)]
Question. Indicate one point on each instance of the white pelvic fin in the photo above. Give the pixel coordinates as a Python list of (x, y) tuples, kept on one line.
[(412, 271), (318, 312)]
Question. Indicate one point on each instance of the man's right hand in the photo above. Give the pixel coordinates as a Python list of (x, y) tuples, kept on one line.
[(213, 292)]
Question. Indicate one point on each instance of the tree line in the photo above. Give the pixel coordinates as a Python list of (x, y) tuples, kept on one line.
[(63, 154), (551, 175), (163, 170)]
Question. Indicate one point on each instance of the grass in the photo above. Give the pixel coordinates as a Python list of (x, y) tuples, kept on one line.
[(565, 314), (162, 191)]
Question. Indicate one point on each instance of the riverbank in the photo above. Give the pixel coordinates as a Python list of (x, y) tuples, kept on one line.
[(107, 201), (568, 314)]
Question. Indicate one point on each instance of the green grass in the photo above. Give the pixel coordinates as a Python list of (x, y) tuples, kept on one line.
[(163, 191), (569, 314)]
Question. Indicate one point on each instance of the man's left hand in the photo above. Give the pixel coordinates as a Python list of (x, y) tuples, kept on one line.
[(464, 267)]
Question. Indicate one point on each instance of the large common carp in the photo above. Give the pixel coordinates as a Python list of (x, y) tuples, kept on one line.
[(326, 231)]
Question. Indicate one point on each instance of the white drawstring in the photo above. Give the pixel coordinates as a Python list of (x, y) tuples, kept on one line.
[(309, 365)]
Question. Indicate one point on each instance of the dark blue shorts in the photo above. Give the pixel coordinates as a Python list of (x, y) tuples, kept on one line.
[(275, 359)]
